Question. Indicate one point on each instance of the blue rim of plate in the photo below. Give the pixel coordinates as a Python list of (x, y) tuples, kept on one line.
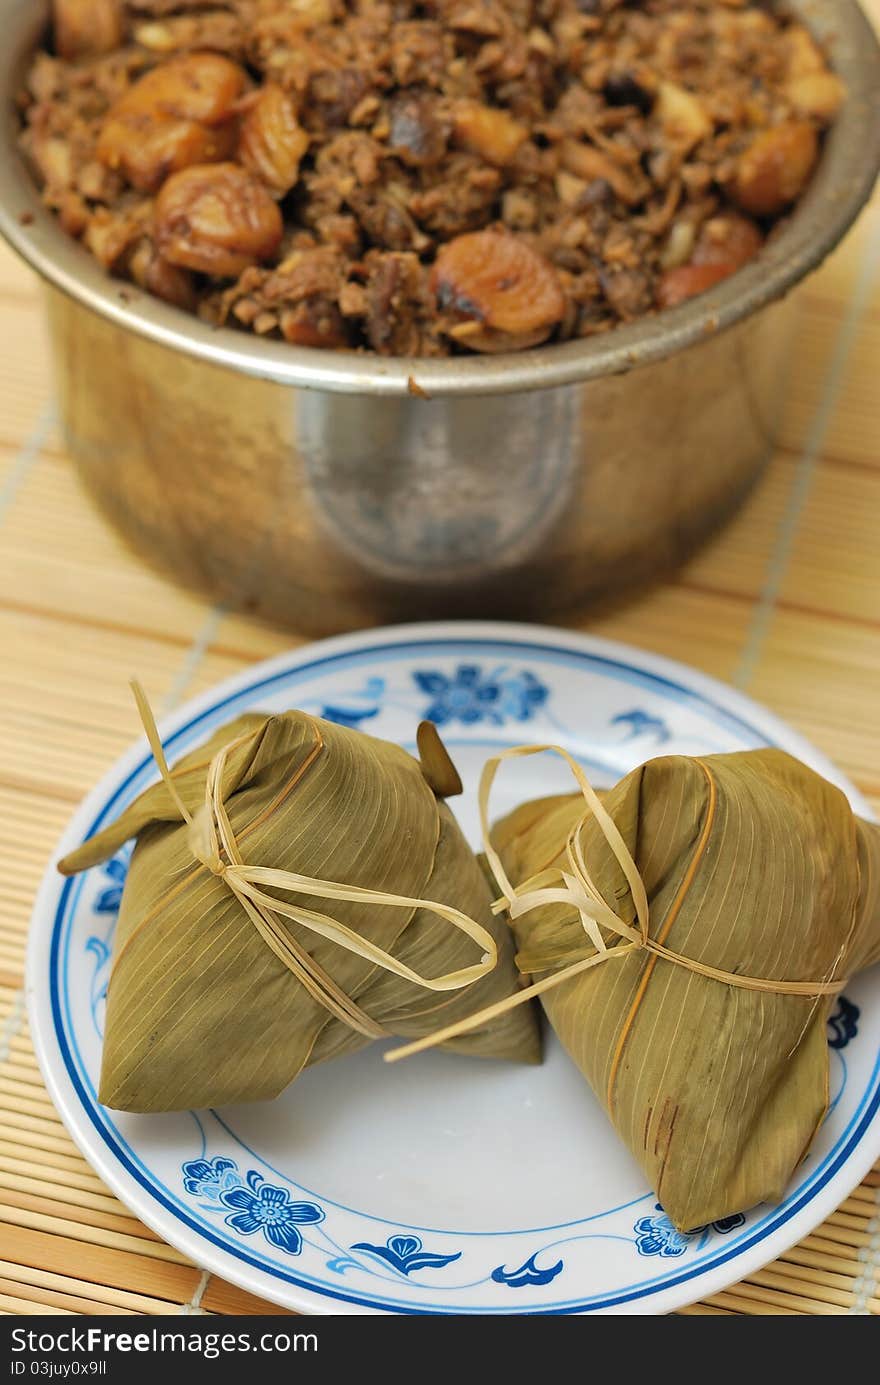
[(523, 640)]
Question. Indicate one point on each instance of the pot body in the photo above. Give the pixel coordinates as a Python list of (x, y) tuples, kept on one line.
[(328, 510), (324, 490)]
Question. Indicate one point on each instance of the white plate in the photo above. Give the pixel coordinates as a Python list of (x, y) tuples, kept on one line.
[(441, 1185)]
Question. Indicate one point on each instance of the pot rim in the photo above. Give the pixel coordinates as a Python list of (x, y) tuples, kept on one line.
[(840, 188)]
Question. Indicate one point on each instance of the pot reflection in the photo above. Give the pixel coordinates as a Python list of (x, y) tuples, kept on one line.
[(442, 490)]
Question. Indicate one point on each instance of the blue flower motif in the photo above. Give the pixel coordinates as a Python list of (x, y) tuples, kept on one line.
[(844, 1023), (262, 1207), (470, 696), (527, 1274), (405, 1254), (465, 697), (210, 1178), (109, 900), (657, 1236)]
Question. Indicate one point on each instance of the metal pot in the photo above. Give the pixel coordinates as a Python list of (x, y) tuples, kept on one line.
[(328, 490)]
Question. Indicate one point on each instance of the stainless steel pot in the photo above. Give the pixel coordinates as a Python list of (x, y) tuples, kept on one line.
[(328, 490)]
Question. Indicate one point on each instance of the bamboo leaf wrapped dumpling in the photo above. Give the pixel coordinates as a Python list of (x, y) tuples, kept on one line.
[(206, 1005), (754, 867)]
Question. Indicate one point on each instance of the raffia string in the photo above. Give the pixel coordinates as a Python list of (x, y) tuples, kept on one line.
[(575, 886), (213, 843)]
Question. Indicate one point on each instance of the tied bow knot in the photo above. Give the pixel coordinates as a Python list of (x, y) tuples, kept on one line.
[(577, 887)]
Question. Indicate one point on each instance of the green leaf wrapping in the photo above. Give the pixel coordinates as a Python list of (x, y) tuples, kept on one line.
[(200, 1011), (717, 1091)]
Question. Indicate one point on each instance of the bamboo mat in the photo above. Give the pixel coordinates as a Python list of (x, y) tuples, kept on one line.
[(784, 604)]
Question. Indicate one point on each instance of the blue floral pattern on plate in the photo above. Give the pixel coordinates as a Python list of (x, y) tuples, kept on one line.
[(527, 1275), (656, 1235), (471, 696), (255, 1204), (641, 723), (405, 1254), (99, 945), (109, 899), (208, 1178), (353, 709), (264, 1207), (258, 1205), (843, 1024)]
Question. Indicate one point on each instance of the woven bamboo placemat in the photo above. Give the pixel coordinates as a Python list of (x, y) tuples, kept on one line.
[(784, 604)]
